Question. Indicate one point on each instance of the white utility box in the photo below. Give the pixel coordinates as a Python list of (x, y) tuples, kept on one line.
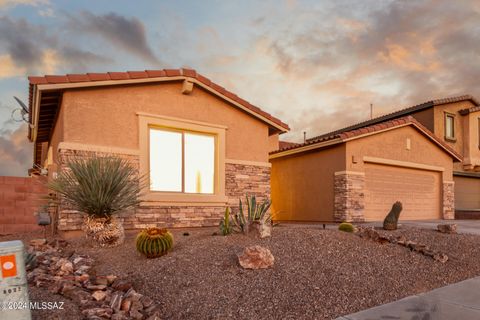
[(14, 303)]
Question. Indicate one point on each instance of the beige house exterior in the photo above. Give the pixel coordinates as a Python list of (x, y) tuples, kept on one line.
[(357, 174), (123, 113)]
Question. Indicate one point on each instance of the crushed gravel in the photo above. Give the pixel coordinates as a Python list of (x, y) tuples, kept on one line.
[(318, 274)]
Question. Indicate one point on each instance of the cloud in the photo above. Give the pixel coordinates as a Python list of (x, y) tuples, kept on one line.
[(9, 69), (126, 33), (34, 49), (13, 3), (336, 60), (15, 152)]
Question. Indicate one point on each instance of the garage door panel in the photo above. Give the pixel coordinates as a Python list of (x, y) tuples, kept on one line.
[(418, 190), (467, 193)]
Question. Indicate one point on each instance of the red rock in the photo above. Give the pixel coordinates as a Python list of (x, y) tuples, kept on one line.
[(256, 257)]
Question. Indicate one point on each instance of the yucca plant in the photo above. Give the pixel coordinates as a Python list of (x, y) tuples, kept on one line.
[(100, 186)]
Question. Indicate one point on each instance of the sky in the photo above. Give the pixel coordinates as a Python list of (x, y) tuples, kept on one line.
[(316, 65)]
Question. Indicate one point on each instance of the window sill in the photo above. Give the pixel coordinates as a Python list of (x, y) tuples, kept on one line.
[(185, 199), (450, 139)]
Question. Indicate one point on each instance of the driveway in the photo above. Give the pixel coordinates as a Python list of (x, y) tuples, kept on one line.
[(463, 226), (457, 301)]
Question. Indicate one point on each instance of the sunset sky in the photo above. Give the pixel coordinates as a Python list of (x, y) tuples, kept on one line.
[(317, 65)]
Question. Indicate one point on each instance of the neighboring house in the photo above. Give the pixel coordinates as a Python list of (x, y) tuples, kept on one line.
[(356, 173), (201, 146)]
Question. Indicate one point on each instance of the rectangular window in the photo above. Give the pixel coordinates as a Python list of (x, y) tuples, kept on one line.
[(182, 161), (449, 126)]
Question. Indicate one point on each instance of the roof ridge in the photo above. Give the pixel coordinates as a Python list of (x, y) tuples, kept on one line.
[(401, 112), (133, 75), (385, 125)]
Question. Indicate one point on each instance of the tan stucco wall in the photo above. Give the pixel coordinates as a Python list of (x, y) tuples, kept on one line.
[(58, 134), (461, 134), (392, 144), (273, 143), (107, 117), (467, 193), (471, 149), (302, 185)]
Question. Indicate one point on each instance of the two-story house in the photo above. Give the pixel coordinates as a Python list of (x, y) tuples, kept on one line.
[(357, 172)]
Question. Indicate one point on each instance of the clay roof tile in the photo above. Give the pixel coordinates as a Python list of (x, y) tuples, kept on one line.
[(98, 76)]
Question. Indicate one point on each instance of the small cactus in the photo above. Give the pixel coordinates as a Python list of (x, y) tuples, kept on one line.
[(225, 225), (347, 227), (391, 220), (154, 242)]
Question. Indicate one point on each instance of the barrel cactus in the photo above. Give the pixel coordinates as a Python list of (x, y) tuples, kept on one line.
[(391, 220), (154, 242), (347, 227)]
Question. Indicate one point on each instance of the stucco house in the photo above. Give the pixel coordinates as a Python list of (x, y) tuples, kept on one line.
[(201, 146), (427, 156)]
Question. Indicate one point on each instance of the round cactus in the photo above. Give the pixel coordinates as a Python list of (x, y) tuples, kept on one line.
[(154, 242), (347, 227)]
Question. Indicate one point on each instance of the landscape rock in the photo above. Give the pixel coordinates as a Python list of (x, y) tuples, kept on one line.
[(447, 228), (146, 301), (256, 257), (121, 285), (67, 267), (111, 279), (372, 234), (38, 242), (99, 295), (261, 230), (120, 315), (98, 312), (126, 304), (116, 301)]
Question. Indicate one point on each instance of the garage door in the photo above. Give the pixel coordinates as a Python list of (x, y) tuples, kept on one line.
[(418, 190), (467, 193)]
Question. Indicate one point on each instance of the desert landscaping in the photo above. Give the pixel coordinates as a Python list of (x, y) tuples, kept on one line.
[(317, 273)]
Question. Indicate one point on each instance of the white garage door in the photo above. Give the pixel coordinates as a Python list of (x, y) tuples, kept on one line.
[(418, 190)]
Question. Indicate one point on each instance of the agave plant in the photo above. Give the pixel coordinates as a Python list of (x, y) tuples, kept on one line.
[(100, 186), (255, 213)]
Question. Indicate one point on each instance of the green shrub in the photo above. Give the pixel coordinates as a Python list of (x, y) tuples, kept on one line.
[(346, 226), (154, 242)]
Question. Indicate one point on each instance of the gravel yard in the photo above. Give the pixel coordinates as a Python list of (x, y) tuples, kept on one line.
[(318, 274)]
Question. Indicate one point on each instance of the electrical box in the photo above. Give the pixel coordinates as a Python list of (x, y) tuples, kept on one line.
[(14, 302)]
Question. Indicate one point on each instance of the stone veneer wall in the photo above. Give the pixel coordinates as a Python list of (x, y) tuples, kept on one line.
[(448, 200), (349, 202), (240, 179)]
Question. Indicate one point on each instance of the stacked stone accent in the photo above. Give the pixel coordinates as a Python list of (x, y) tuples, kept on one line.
[(349, 203), (448, 200), (240, 180)]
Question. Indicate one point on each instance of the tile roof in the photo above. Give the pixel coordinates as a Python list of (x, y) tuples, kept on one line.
[(189, 73), (286, 144), (403, 112), (351, 134)]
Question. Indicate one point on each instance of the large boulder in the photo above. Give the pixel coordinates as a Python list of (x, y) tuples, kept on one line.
[(256, 257)]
